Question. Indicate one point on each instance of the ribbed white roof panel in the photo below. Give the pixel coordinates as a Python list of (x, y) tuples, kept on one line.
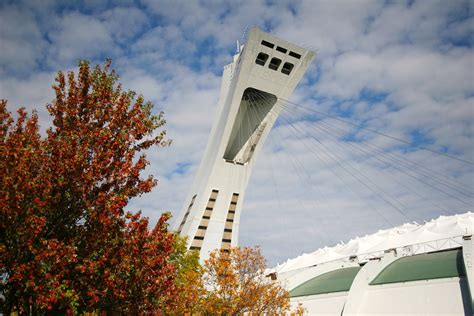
[(434, 234)]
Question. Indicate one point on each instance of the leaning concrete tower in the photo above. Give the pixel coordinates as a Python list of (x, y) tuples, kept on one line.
[(264, 70)]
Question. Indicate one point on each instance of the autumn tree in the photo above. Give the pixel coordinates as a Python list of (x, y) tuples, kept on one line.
[(237, 284), (189, 285), (66, 243)]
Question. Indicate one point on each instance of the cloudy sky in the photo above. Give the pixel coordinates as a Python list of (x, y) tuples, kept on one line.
[(402, 68)]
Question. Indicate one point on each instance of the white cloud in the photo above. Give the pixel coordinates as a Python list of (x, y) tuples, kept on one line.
[(76, 36), (21, 44), (168, 41), (415, 58), (32, 93), (123, 23)]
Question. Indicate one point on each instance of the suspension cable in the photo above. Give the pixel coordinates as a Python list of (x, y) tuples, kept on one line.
[(378, 133), (365, 151)]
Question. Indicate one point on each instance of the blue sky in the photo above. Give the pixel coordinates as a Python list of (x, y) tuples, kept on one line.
[(404, 68)]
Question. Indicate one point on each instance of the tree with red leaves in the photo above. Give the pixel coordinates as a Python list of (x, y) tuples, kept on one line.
[(66, 243)]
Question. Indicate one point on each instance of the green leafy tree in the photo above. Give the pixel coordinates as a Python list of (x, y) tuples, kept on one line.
[(189, 285)]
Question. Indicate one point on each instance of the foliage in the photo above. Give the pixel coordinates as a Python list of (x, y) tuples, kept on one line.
[(237, 284), (188, 283), (66, 243)]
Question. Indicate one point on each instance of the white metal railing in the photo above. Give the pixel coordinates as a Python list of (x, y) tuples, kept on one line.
[(407, 250)]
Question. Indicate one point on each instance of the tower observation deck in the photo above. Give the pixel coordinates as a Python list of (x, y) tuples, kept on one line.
[(264, 70)]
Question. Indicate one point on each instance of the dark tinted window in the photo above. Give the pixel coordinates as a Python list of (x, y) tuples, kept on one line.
[(287, 68), (281, 49), (274, 63), (261, 59), (268, 44), (296, 55)]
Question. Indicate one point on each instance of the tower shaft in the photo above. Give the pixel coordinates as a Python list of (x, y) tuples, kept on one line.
[(266, 69)]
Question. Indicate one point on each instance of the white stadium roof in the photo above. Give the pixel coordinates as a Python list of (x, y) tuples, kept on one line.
[(445, 232)]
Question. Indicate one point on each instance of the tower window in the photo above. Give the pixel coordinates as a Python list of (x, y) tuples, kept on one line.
[(186, 215), (202, 228), (296, 55), (281, 49), (268, 44), (287, 68), (274, 63), (261, 59)]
